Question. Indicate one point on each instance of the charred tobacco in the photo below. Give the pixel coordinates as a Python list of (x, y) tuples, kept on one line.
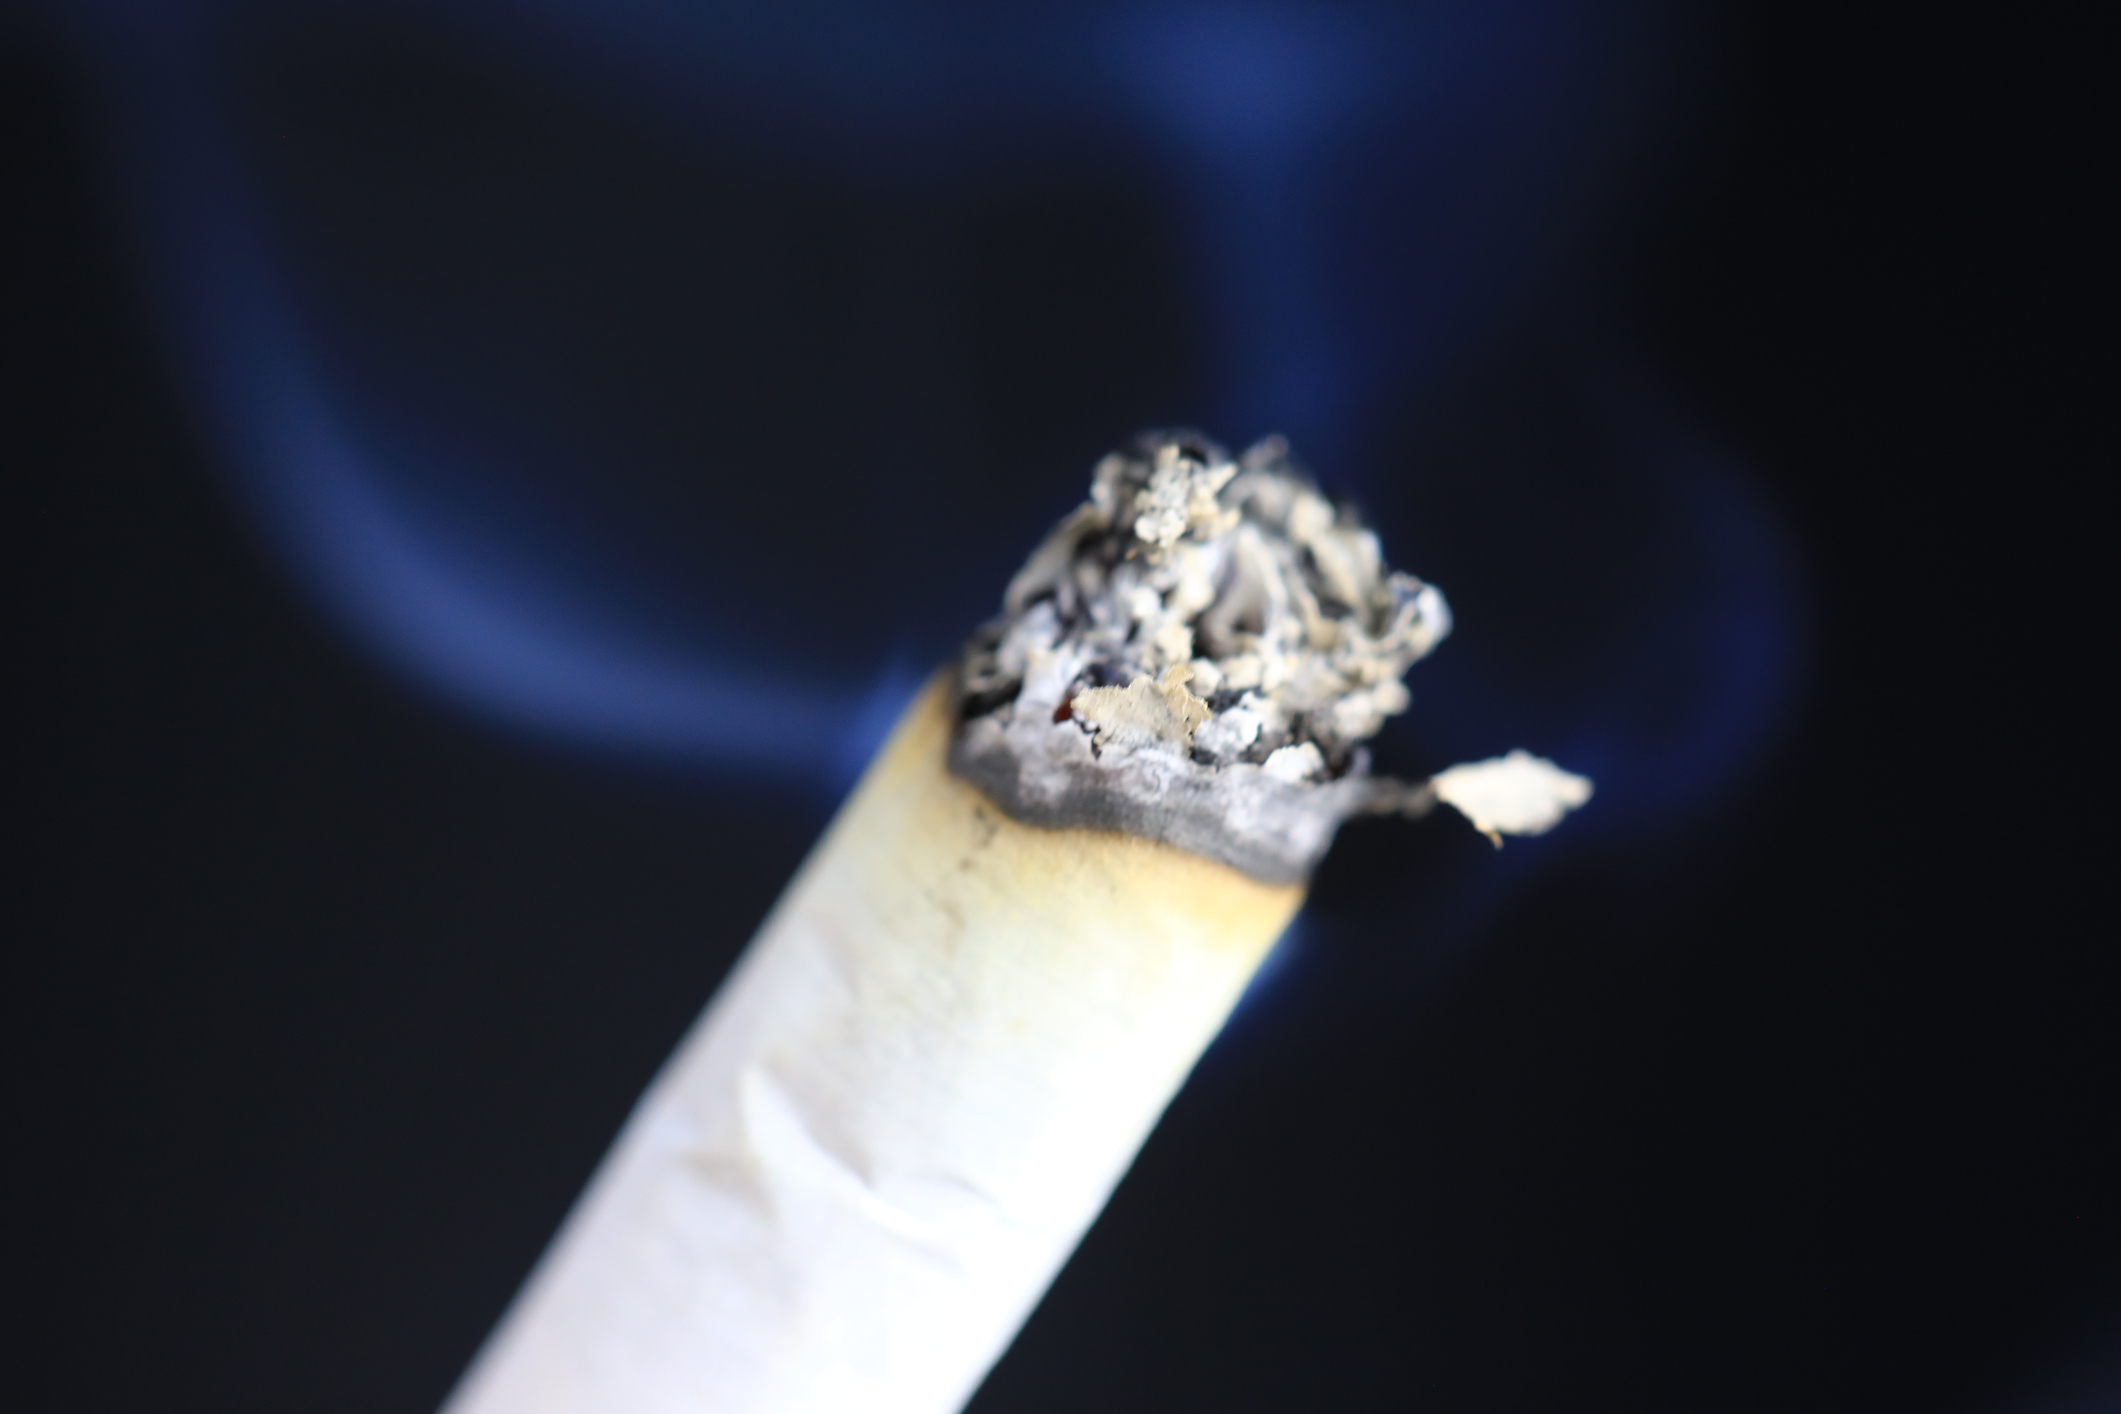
[(1194, 654)]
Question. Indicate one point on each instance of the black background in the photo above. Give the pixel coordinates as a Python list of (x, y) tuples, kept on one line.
[(318, 1003)]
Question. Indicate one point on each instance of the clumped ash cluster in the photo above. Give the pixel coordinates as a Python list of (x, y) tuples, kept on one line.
[(1195, 655)]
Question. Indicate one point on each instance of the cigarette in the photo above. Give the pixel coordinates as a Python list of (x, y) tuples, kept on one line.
[(861, 1169)]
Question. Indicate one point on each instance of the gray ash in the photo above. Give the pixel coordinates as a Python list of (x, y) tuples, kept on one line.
[(1195, 654)]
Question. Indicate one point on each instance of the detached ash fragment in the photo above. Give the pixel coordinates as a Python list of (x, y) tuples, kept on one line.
[(1195, 655), (1517, 794)]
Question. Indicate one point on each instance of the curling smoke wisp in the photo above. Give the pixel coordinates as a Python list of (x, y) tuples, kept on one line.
[(1355, 202)]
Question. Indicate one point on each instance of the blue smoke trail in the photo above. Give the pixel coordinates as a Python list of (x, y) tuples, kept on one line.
[(1364, 192)]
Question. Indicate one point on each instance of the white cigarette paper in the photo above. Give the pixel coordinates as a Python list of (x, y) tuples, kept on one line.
[(873, 1153), (865, 1164)]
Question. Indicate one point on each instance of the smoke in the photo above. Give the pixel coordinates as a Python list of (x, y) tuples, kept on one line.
[(552, 349)]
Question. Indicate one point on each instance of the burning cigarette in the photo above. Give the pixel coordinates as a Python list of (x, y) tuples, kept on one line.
[(862, 1168)]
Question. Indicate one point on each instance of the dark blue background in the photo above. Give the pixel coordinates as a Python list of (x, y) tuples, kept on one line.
[(395, 412)]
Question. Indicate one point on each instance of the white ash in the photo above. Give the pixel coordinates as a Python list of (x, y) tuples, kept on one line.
[(1196, 655), (1517, 794), (1271, 604)]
